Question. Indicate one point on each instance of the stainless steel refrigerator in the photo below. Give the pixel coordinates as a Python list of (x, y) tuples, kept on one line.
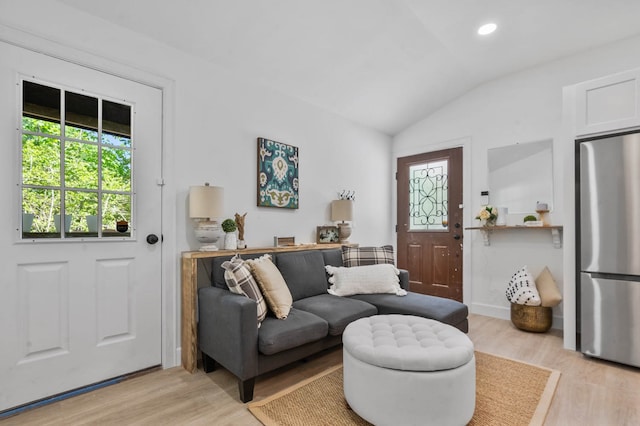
[(609, 247)]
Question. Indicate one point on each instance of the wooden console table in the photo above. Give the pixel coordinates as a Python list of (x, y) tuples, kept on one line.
[(189, 329)]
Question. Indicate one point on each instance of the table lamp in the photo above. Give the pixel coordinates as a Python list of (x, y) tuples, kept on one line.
[(205, 207), (342, 210)]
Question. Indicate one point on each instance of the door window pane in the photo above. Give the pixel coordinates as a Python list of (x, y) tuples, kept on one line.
[(85, 207), (428, 196), (81, 117), (115, 208), (39, 206), (40, 160), (40, 109), (116, 124), (81, 165), (116, 169)]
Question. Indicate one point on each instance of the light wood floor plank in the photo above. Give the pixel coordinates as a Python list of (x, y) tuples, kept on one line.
[(590, 392)]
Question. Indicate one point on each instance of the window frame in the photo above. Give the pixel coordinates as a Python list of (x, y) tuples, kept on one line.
[(63, 189)]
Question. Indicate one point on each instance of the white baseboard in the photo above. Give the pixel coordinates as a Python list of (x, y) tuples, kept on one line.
[(505, 313)]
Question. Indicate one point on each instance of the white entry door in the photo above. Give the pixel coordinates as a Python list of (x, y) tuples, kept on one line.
[(79, 303)]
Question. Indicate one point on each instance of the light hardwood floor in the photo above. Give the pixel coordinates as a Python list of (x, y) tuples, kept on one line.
[(590, 392)]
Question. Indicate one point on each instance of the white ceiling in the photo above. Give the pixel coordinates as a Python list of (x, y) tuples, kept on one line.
[(382, 63)]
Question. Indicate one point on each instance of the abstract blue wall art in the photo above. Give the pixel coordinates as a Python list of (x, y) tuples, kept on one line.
[(277, 174)]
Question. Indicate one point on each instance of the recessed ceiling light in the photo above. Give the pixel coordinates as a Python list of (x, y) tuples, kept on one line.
[(487, 28)]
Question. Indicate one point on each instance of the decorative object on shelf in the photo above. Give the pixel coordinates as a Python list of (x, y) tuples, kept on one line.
[(205, 207), (122, 226), (487, 215), (230, 239), (342, 210), (284, 241), (502, 216), (240, 223), (542, 209), (277, 174), (27, 221), (67, 222), (327, 235), (542, 206), (531, 220), (92, 222)]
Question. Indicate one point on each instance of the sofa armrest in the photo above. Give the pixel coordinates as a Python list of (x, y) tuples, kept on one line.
[(404, 279), (228, 330)]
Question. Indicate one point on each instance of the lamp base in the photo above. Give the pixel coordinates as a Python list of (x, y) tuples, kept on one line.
[(207, 233), (345, 232)]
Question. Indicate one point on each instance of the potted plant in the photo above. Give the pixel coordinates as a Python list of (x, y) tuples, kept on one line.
[(230, 240)]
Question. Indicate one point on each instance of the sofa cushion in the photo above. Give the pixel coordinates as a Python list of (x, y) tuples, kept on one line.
[(240, 281), (272, 284), (438, 308), (361, 256), (303, 272), (332, 257), (337, 311), (299, 328), (370, 279)]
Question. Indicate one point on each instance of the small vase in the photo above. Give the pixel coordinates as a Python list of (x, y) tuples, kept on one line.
[(230, 241), (488, 223), (242, 244)]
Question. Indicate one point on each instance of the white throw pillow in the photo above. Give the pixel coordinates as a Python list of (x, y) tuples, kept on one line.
[(522, 289), (370, 279)]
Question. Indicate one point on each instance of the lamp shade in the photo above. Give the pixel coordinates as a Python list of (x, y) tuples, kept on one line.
[(341, 210), (206, 201)]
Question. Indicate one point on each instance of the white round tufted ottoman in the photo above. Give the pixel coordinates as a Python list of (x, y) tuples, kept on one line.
[(407, 370)]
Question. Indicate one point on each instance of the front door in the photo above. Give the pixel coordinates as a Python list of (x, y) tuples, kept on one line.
[(80, 294), (430, 222)]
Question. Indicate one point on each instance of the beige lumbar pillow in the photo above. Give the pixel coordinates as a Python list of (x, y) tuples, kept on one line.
[(273, 286), (549, 293)]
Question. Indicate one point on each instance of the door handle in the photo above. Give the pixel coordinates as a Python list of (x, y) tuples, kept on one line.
[(152, 239), (456, 236)]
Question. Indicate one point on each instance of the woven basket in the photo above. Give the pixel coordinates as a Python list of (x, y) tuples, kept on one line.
[(537, 319)]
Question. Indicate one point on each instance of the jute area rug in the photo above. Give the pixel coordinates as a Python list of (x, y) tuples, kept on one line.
[(508, 392)]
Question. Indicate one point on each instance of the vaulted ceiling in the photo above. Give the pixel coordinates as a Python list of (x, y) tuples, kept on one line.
[(382, 63)]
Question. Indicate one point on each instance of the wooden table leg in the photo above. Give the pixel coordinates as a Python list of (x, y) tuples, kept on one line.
[(189, 343)]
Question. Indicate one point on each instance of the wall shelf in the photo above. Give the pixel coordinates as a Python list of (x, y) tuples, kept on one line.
[(556, 232)]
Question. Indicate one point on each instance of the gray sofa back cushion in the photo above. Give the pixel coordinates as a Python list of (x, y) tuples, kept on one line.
[(332, 257), (303, 272)]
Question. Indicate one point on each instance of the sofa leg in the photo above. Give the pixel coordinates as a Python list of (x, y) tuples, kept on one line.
[(208, 363), (246, 389)]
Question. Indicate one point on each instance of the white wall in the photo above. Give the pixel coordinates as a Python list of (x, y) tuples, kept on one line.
[(212, 120), (522, 107)]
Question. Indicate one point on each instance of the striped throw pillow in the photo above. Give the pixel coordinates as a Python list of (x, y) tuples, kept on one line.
[(239, 279)]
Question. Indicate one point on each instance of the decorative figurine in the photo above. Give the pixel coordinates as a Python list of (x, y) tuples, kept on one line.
[(240, 223)]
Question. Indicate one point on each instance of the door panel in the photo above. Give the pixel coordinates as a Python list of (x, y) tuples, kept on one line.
[(430, 222), (78, 311)]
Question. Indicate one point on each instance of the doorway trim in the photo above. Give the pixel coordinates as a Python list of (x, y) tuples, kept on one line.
[(26, 40), (467, 212)]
